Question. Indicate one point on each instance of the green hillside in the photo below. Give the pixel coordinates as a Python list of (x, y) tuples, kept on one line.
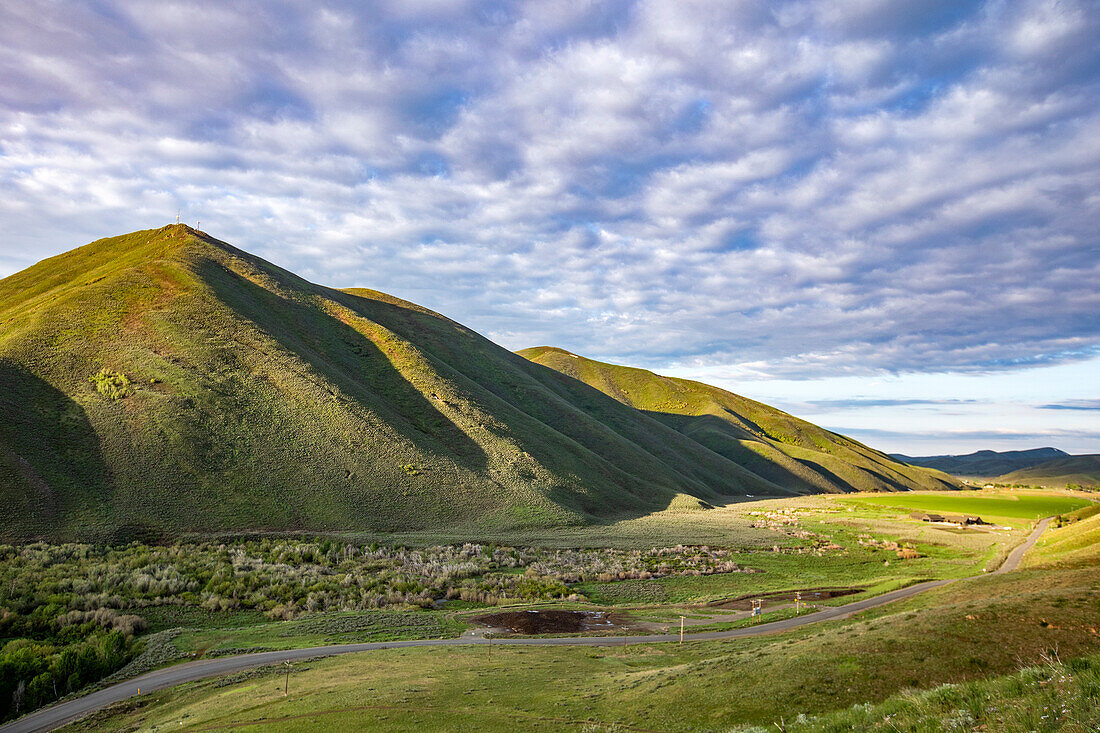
[(781, 448), (165, 382), (1075, 539), (1060, 473)]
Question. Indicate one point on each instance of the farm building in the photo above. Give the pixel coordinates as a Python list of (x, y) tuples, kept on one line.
[(953, 518), (963, 519)]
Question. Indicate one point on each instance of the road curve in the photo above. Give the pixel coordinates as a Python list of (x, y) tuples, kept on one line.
[(57, 715)]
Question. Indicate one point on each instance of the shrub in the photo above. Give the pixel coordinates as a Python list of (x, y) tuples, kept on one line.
[(112, 385)]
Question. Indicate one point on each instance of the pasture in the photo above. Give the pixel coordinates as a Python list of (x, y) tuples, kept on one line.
[(1006, 505)]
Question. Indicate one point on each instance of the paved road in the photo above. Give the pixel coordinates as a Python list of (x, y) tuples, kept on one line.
[(57, 715)]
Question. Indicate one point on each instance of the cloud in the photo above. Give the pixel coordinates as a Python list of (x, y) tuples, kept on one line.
[(793, 189), (1073, 405), (990, 439), (862, 402)]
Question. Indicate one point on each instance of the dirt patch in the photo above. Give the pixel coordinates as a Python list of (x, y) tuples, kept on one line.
[(551, 621), (809, 595)]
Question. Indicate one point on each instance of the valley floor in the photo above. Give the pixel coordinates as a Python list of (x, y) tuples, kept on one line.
[(966, 631)]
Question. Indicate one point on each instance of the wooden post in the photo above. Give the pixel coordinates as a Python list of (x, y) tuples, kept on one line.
[(286, 688), (681, 629), (490, 635)]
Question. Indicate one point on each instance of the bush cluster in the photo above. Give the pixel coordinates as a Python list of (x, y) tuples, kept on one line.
[(112, 385), (59, 585), (72, 611)]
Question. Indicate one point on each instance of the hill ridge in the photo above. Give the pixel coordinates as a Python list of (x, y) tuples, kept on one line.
[(800, 454), (1080, 471)]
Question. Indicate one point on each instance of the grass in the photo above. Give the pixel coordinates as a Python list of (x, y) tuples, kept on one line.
[(319, 630), (164, 383), (1052, 696), (1074, 542), (999, 505), (160, 618)]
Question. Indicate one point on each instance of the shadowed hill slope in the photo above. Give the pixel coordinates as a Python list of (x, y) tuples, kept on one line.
[(767, 441), (165, 382), (1059, 473)]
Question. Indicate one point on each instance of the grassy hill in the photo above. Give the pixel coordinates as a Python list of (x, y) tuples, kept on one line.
[(777, 446), (165, 382), (1059, 473), (1075, 539), (985, 463)]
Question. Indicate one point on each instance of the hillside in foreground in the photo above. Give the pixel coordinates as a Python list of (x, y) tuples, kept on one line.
[(771, 443), (165, 382), (1060, 473), (985, 463)]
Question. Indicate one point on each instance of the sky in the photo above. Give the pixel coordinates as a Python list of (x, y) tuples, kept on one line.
[(880, 216)]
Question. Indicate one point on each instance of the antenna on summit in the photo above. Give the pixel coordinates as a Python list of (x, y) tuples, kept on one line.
[(177, 216)]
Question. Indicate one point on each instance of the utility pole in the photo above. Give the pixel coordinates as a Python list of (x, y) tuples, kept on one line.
[(681, 629)]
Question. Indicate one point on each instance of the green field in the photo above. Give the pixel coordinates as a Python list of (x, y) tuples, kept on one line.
[(1001, 505)]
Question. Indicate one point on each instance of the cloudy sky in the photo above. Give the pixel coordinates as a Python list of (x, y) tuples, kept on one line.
[(882, 216)]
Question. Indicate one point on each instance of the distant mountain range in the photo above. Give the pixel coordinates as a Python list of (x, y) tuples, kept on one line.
[(165, 382), (984, 463)]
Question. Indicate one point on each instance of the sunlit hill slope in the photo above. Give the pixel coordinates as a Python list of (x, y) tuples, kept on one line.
[(772, 444)]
